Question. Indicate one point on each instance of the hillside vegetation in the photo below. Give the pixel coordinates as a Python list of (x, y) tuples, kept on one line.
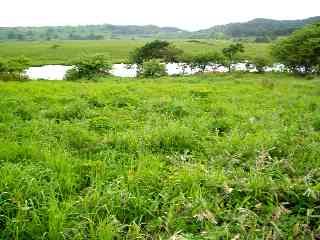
[(233, 156)]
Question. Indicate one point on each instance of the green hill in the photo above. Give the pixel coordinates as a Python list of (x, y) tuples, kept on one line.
[(258, 27)]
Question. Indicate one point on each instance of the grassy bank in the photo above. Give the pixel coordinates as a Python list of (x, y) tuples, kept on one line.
[(200, 157), (63, 52)]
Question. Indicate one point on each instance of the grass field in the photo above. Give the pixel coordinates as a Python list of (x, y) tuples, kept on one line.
[(202, 157), (64, 52)]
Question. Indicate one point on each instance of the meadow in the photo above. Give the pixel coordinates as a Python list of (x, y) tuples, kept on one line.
[(216, 156), (64, 52)]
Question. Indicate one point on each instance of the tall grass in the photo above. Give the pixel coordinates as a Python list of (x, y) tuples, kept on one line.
[(200, 157)]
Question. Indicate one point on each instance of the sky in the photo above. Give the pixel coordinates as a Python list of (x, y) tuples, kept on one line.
[(185, 14)]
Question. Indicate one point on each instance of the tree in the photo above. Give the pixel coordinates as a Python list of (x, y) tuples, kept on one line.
[(153, 68), (231, 54), (161, 50), (202, 61), (18, 65), (90, 67), (260, 63), (14, 68), (300, 52)]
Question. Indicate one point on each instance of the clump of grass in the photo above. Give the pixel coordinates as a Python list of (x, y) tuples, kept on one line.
[(172, 109), (316, 123), (268, 83), (69, 112), (220, 126), (172, 138), (124, 102), (102, 124), (200, 94), (95, 102)]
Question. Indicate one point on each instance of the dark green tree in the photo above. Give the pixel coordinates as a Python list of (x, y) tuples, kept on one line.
[(260, 63), (157, 49), (300, 52)]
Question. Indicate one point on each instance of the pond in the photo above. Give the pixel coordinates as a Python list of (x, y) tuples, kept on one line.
[(57, 72)]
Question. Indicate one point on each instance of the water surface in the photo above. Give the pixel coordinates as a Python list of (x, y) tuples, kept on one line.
[(57, 72)]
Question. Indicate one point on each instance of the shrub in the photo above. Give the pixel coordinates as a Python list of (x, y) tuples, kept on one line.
[(72, 74), (153, 68), (90, 67)]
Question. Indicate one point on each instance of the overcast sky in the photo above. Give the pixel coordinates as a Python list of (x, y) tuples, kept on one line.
[(186, 14)]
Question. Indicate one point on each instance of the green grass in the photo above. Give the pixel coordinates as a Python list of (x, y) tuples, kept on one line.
[(202, 157), (63, 52)]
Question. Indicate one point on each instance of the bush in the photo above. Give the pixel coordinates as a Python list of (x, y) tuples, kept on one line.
[(90, 67), (153, 68), (72, 74)]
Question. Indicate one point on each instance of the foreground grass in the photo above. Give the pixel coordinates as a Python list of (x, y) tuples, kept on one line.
[(202, 157), (64, 52)]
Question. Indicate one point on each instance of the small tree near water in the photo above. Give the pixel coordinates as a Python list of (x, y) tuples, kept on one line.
[(202, 61), (231, 54), (90, 67), (14, 69), (153, 68)]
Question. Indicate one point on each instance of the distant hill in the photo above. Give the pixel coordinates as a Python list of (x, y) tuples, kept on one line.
[(89, 32), (256, 28)]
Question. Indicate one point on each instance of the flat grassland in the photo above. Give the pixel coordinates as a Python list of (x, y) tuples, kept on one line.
[(63, 52), (215, 156)]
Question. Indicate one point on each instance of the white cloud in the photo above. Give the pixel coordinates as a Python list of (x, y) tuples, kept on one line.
[(191, 15)]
